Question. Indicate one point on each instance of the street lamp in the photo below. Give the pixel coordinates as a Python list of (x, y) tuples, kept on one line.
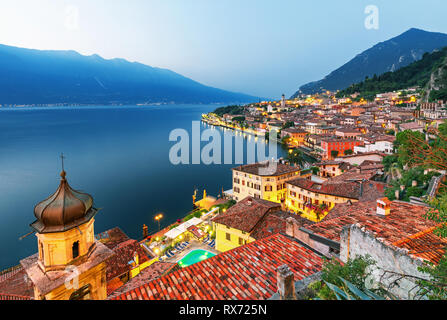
[(157, 218)]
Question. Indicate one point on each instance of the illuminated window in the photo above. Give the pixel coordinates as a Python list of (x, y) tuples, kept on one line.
[(228, 236)]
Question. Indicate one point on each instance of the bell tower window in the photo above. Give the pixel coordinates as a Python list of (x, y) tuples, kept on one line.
[(42, 257), (75, 249)]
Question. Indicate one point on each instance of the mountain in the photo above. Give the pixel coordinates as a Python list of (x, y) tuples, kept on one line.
[(429, 73), (385, 56), (29, 76), (436, 88)]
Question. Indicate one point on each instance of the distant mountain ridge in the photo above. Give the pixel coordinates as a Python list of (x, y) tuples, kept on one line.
[(385, 56), (29, 76), (429, 74)]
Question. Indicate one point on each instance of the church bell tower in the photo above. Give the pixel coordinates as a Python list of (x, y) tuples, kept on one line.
[(70, 263)]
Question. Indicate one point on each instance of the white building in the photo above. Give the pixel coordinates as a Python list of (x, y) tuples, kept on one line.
[(383, 146)]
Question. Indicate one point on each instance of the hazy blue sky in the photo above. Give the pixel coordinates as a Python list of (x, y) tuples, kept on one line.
[(260, 47)]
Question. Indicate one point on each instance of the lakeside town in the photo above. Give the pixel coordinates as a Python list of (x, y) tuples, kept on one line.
[(361, 207)]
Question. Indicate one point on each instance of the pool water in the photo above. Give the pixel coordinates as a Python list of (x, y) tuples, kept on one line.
[(194, 257)]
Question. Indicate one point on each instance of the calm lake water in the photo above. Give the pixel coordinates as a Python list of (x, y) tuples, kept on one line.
[(119, 155)]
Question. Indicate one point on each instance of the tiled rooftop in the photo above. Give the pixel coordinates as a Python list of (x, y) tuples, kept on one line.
[(246, 272), (425, 245), (245, 214), (339, 187), (118, 264), (404, 220), (17, 285), (154, 271)]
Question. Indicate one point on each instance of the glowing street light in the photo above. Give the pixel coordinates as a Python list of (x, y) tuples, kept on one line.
[(157, 218)]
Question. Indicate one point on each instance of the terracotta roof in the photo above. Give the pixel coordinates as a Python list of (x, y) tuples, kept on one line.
[(353, 175), (17, 285), (425, 245), (111, 238), (294, 130), (328, 162), (246, 272), (362, 154), (246, 214), (124, 253), (154, 271), (405, 219), (277, 170), (410, 125), (339, 187), (275, 222)]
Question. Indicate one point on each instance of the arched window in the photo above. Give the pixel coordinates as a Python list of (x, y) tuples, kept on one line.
[(75, 249)]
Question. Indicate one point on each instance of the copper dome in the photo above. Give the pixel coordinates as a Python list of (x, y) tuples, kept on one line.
[(64, 210)]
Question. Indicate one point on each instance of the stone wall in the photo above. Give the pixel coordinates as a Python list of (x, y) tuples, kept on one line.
[(391, 262), (295, 230)]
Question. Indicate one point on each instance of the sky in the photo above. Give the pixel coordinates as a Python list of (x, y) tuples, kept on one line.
[(259, 47)]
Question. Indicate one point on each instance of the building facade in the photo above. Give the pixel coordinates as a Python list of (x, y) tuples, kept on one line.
[(264, 180)]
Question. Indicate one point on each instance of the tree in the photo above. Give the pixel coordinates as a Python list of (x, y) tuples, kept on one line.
[(388, 161), (405, 145), (416, 151), (288, 124), (295, 156), (334, 153), (348, 152), (390, 132), (356, 271), (285, 140)]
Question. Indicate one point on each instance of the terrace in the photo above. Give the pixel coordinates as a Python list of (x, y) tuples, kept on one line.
[(180, 240)]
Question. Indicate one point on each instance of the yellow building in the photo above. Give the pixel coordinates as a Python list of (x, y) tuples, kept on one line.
[(243, 223), (263, 180), (70, 263), (314, 200), (332, 168)]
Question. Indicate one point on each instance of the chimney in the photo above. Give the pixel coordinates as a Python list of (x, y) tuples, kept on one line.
[(283, 204), (383, 206), (290, 222), (285, 282), (249, 202)]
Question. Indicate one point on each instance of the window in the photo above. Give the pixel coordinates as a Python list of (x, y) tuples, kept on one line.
[(42, 257), (241, 241), (228, 236), (75, 249)]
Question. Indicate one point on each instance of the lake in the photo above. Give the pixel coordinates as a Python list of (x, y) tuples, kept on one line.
[(119, 155)]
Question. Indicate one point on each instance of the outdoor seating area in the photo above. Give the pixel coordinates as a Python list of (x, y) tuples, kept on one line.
[(179, 247), (191, 234), (209, 242)]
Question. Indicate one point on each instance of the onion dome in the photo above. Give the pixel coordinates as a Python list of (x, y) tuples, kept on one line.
[(64, 210)]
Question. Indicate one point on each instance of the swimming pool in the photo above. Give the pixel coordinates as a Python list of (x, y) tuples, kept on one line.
[(195, 256)]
